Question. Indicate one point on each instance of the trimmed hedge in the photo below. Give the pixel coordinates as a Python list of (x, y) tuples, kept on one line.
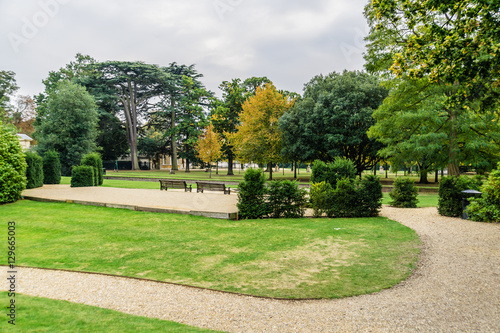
[(95, 161), (51, 168), (285, 199), (450, 193), (12, 166), (332, 172), (350, 198), (404, 193), (82, 175), (34, 171)]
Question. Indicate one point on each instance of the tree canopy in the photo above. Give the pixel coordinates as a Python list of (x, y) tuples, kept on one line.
[(332, 120)]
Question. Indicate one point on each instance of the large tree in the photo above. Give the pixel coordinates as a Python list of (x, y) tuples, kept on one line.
[(209, 146), (8, 87), (68, 124), (450, 43), (332, 120), (137, 86), (258, 137)]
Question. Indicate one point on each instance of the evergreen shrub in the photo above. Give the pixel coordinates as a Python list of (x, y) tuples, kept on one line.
[(332, 172), (404, 193), (51, 168), (320, 197), (285, 199), (95, 161), (34, 170), (12, 166), (251, 195), (487, 208), (450, 193), (82, 175)]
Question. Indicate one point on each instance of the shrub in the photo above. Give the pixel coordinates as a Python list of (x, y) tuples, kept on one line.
[(487, 208), (51, 168), (34, 170), (285, 199), (404, 194), (370, 196), (251, 195), (450, 196), (12, 166), (82, 175), (345, 199), (332, 172), (320, 196), (95, 161)]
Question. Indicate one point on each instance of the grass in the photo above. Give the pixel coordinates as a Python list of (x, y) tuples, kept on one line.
[(37, 314), (424, 199), (287, 258)]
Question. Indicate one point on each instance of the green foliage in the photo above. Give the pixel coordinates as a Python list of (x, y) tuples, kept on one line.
[(82, 175), (350, 197), (404, 194), (450, 196), (332, 120), (251, 195), (68, 125), (285, 199), (51, 168), (320, 197), (487, 208), (34, 171), (95, 161), (12, 166), (332, 172)]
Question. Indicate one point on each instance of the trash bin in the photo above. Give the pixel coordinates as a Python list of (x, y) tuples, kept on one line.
[(466, 195), (103, 171)]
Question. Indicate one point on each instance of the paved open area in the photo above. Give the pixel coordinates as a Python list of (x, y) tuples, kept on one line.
[(454, 289), (210, 204)]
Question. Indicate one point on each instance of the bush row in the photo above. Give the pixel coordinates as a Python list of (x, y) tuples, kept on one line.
[(89, 172), (34, 170), (279, 199), (487, 208), (350, 198), (332, 172)]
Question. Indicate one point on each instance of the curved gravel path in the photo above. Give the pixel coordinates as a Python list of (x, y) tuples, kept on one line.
[(456, 288)]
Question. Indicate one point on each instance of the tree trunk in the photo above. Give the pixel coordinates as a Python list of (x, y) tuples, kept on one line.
[(187, 166), (174, 143), (386, 171), (423, 177), (230, 161), (294, 167), (217, 168), (436, 176), (453, 169), (270, 168)]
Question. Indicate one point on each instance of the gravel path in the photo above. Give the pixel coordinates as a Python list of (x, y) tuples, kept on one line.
[(455, 289)]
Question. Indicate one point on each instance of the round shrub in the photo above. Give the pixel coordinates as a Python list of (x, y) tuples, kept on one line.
[(450, 193), (34, 170), (487, 208), (404, 194), (12, 166), (370, 196), (251, 195), (95, 161), (51, 168), (332, 172), (320, 195), (285, 199), (82, 175)]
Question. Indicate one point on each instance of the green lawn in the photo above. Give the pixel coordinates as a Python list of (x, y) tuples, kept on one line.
[(36, 314), (424, 199), (289, 258)]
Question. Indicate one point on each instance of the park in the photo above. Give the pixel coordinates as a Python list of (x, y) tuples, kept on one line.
[(133, 198)]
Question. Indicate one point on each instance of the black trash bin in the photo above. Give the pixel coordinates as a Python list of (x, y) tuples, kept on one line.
[(466, 195), (103, 171)]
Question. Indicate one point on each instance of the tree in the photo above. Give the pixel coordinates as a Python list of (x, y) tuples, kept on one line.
[(450, 43), (8, 87), (136, 86), (68, 125), (225, 115), (209, 146), (12, 166), (258, 137), (332, 120), (24, 115)]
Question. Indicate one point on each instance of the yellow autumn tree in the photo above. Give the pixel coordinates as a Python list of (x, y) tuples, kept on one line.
[(209, 146), (258, 137)]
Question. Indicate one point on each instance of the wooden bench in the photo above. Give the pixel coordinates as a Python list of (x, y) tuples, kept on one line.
[(209, 186), (181, 184)]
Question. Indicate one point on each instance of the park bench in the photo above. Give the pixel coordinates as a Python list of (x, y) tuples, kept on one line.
[(209, 186), (181, 184)]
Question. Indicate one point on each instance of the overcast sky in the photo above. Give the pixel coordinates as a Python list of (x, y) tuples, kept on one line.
[(289, 41)]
